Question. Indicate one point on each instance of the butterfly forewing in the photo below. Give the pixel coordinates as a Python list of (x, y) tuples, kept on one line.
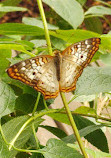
[(75, 58), (38, 72)]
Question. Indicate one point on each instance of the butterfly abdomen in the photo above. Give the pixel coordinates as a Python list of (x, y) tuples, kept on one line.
[(57, 62)]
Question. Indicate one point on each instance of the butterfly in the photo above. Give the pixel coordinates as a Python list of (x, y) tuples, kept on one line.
[(59, 73)]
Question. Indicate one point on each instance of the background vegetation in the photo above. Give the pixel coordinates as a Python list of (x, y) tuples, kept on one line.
[(69, 21)]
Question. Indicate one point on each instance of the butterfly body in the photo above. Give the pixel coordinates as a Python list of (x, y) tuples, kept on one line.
[(51, 74)]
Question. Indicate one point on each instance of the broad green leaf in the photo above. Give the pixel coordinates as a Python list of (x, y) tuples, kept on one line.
[(25, 103), (7, 99), (17, 47), (4, 63), (93, 153), (38, 23), (38, 42), (20, 29), (56, 131), (4, 152), (11, 128), (83, 132), (11, 9), (106, 59), (83, 98), (94, 24), (70, 10), (96, 138), (58, 149), (97, 154), (85, 110), (100, 10), (105, 46), (9, 3), (95, 80), (82, 2), (60, 117), (73, 36), (58, 43)]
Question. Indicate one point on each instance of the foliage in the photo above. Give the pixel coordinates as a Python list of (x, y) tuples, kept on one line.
[(21, 107)]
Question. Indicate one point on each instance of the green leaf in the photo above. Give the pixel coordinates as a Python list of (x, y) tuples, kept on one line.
[(82, 2), (38, 42), (93, 153), (83, 132), (73, 36), (17, 47), (97, 154), (95, 80), (9, 3), (58, 43), (20, 29), (99, 10), (105, 46), (4, 63), (84, 110), (4, 152), (94, 24), (7, 99), (58, 149), (38, 23), (11, 128), (70, 10), (106, 59), (25, 103), (60, 117), (56, 131), (84, 98), (96, 138), (11, 9)]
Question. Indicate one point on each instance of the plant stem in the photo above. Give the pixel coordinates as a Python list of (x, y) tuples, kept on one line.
[(88, 115), (36, 104), (45, 26), (75, 130), (34, 132), (27, 122), (45, 104)]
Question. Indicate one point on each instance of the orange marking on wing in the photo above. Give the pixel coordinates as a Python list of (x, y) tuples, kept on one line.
[(93, 43), (15, 77), (16, 70), (17, 74)]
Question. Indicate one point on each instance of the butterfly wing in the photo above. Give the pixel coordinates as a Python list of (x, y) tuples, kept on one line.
[(74, 59), (38, 72)]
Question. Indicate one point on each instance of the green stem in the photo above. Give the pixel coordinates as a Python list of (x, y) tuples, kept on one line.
[(45, 104), (36, 104), (88, 115), (36, 139), (3, 136), (75, 130), (45, 26), (75, 96), (26, 123)]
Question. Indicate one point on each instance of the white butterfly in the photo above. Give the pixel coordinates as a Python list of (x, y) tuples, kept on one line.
[(52, 74)]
